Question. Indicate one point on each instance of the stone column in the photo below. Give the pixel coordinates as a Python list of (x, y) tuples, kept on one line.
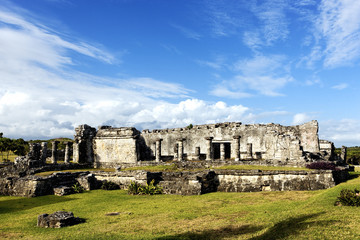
[(249, 151), (222, 151), (158, 150), (180, 149), (237, 147), (343, 153), (197, 153), (54, 152), (43, 153), (67, 153), (209, 151), (76, 152)]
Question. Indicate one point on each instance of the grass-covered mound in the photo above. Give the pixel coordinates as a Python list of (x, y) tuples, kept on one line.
[(260, 215)]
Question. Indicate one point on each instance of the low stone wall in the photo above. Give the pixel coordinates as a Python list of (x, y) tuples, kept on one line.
[(33, 186), (183, 183), (199, 182)]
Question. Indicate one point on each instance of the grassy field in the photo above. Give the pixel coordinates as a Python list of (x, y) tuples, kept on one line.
[(260, 215), (4, 155)]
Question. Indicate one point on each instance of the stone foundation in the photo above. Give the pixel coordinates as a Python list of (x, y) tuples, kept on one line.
[(183, 183)]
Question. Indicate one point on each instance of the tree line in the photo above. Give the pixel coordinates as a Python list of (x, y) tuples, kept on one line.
[(8, 145)]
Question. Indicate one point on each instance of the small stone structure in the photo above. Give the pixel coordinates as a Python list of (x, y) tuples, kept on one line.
[(58, 219), (111, 147)]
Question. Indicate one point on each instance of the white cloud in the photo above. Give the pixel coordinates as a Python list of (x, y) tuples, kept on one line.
[(341, 132), (262, 74), (337, 33), (274, 24), (301, 118), (224, 18), (340, 86), (41, 96)]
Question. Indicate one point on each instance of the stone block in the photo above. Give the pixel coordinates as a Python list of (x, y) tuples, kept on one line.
[(58, 219), (63, 190)]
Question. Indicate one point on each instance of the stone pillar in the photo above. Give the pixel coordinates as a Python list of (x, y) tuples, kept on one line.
[(54, 152), (67, 153), (343, 153), (249, 151), (158, 150), (83, 144), (236, 146), (43, 153), (209, 151), (222, 151), (34, 151), (180, 149), (76, 152), (197, 153)]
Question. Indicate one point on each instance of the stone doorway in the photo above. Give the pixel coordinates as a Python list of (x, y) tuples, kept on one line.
[(216, 149)]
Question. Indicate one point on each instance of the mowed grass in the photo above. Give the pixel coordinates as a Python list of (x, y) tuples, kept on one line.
[(5, 155), (259, 215)]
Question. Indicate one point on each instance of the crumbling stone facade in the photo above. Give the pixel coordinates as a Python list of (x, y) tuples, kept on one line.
[(109, 147), (83, 144)]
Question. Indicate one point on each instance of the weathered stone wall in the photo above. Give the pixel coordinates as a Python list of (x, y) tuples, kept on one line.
[(184, 183), (327, 149), (33, 186), (113, 146), (199, 182), (255, 180), (83, 144), (270, 141)]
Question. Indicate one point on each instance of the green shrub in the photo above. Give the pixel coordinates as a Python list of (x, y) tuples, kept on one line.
[(348, 198), (77, 188), (107, 185), (133, 188), (149, 189)]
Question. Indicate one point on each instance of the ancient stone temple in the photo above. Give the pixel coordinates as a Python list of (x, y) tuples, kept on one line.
[(109, 147)]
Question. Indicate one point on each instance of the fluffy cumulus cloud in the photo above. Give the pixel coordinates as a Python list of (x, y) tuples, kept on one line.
[(42, 96)]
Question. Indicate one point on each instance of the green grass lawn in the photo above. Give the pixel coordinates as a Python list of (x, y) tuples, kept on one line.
[(260, 215), (4, 155)]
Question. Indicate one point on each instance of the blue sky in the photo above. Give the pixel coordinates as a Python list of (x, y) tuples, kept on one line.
[(161, 64)]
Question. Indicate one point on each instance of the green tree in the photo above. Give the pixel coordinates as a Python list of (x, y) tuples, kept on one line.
[(5, 146), (18, 147)]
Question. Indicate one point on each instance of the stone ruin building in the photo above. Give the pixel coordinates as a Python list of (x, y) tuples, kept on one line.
[(255, 143), (195, 150)]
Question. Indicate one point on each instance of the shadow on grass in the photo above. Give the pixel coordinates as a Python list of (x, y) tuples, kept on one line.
[(353, 175), (292, 226), (215, 233), (21, 204)]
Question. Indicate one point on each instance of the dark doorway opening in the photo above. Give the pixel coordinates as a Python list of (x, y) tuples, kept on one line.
[(216, 149)]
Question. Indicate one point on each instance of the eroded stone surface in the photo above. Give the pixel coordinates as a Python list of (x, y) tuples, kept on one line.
[(58, 219), (232, 141)]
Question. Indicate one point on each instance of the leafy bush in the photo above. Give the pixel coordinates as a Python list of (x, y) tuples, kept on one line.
[(134, 188), (149, 189), (322, 165), (107, 185), (77, 188), (348, 198)]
